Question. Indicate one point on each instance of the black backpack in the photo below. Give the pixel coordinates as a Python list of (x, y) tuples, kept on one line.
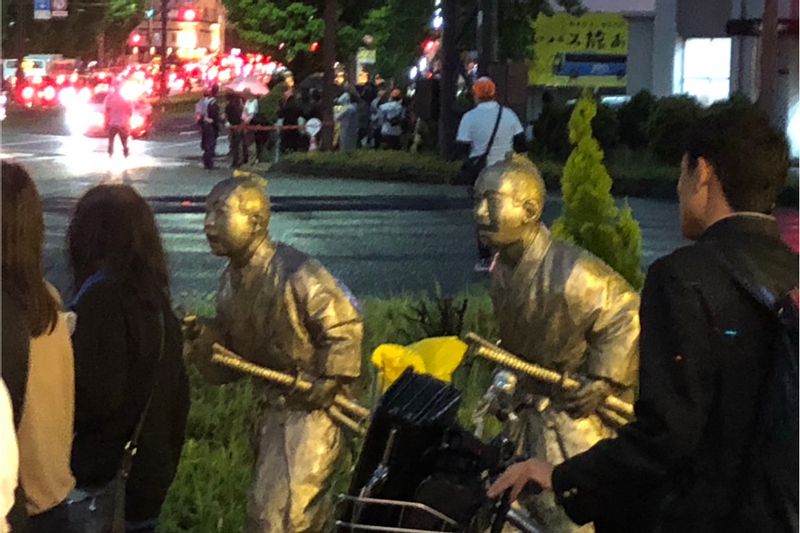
[(772, 462)]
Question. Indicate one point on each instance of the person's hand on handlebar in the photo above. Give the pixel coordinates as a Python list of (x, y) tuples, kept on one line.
[(520, 474)]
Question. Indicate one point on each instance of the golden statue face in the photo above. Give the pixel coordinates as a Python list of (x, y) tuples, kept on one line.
[(507, 206), (235, 218)]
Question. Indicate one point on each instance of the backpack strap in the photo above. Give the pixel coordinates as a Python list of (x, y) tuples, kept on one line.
[(761, 294)]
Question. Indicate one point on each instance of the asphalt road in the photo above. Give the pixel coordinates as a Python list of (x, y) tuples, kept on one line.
[(379, 238)]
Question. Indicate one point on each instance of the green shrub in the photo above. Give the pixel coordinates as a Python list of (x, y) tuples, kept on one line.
[(550, 136), (383, 165), (589, 217), (209, 492), (605, 127), (633, 118), (669, 125)]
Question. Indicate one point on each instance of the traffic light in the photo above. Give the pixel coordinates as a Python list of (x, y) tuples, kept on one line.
[(187, 14), (135, 39), (314, 46), (149, 13)]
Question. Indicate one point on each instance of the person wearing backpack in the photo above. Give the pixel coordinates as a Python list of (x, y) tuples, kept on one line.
[(714, 446)]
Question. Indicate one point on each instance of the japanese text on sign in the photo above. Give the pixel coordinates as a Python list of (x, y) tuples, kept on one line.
[(589, 50)]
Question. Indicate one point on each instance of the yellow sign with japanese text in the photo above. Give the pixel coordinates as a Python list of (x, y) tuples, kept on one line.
[(586, 51)]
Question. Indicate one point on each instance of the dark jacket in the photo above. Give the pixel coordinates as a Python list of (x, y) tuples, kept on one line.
[(233, 112), (14, 363), (16, 347), (116, 345), (679, 466)]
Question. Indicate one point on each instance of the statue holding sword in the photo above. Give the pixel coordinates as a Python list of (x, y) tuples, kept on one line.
[(564, 310), (280, 309)]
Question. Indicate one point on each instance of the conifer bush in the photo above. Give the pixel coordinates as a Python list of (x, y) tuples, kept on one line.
[(589, 217)]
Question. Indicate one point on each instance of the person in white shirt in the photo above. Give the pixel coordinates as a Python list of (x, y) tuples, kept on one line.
[(476, 126), (475, 133), (250, 111)]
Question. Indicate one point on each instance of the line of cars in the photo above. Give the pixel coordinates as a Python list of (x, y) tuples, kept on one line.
[(47, 81)]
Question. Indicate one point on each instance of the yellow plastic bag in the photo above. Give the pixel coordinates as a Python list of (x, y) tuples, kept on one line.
[(437, 356)]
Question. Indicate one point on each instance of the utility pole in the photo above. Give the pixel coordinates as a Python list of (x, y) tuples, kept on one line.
[(449, 77), (487, 35), (164, 19), (328, 59), (769, 58)]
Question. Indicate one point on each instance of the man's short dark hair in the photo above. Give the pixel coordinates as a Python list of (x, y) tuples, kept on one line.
[(750, 157)]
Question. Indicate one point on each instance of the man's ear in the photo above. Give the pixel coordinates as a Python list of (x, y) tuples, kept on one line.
[(533, 211), (704, 172), (258, 222)]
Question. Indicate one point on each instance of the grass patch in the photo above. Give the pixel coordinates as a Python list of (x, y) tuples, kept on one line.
[(209, 492)]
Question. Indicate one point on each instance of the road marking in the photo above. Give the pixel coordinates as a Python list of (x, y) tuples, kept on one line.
[(18, 143), (187, 133), (13, 155)]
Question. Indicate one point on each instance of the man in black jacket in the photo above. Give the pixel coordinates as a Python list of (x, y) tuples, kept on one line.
[(704, 346)]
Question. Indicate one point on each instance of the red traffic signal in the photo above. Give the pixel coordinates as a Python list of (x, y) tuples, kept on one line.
[(314, 46), (188, 14)]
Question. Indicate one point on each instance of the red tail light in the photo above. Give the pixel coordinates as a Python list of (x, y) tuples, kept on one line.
[(27, 93), (49, 93)]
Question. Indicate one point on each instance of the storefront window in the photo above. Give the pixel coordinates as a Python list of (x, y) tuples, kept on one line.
[(706, 69)]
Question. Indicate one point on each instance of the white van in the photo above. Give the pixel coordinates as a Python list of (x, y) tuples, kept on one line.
[(39, 64)]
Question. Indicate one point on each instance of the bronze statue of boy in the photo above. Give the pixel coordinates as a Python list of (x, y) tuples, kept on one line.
[(560, 307), (279, 308)]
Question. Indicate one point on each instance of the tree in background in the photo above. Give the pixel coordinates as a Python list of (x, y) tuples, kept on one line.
[(515, 39), (76, 35), (589, 217), (399, 27), (633, 117), (285, 30), (669, 125)]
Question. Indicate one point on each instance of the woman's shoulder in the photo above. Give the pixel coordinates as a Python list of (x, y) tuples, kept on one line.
[(98, 290)]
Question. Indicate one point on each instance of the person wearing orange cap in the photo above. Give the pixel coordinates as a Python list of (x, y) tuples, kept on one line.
[(486, 135)]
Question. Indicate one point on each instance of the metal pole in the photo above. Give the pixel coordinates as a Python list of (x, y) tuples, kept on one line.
[(328, 59), (769, 58), (164, 19), (449, 77)]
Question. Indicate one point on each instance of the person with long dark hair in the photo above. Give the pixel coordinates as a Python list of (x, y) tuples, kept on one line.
[(129, 369), (40, 371)]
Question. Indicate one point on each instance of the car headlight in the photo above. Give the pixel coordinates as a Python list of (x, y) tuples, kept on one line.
[(137, 121)]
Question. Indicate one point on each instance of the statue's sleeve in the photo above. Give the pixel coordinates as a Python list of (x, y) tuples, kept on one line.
[(612, 309), (334, 324)]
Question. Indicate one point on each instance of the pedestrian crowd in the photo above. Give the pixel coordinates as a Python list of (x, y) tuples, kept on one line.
[(367, 116)]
